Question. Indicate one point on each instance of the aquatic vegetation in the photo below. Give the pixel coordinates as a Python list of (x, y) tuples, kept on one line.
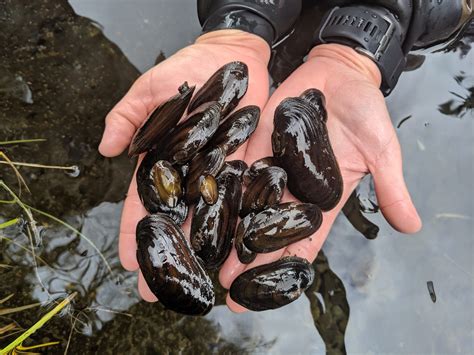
[(464, 103), (17, 343)]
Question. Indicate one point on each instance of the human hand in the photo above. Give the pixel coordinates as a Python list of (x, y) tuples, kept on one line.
[(194, 64), (361, 134)]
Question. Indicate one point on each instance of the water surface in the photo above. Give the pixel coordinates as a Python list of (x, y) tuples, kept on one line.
[(63, 66)]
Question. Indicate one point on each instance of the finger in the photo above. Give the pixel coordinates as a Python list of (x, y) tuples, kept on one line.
[(144, 290), (132, 212), (233, 306), (309, 248), (127, 115), (392, 193), (231, 268)]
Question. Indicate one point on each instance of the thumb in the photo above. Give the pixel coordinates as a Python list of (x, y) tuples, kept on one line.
[(392, 193), (124, 119)]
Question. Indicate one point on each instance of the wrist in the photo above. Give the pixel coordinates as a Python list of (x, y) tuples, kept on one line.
[(237, 40), (348, 58)]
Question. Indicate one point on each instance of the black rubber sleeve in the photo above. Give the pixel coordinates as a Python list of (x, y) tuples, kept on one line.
[(269, 19), (435, 21)]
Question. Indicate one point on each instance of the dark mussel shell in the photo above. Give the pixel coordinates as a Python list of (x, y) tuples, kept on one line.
[(191, 135), (226, 86), (161, 121), (245, 255), (279, 226), (171, 268), (301, 145), (208, 162), (149, 195), (272, 285), (265, 190), (258, 165), (235, 167), (316, 98), (167, 182), (213, 226), (236, 129)]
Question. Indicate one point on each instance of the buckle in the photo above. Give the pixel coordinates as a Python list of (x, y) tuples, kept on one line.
[(371, 33)]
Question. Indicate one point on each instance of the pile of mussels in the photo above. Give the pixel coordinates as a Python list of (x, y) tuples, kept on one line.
[(185, 165)]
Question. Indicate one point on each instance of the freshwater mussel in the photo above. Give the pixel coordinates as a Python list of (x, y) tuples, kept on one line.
[(235, 167), (193, 134), (236, 129), (226, 86), (272, 285), (159, 187), (255, 169), (264, 190), (206, 163), (171, 268), (213, 226), (161, 121), (279, 226), (245, 255), (301, 146), (185, 164)]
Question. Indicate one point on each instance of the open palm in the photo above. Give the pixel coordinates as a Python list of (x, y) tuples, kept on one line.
[(362, 137), (194, 64)]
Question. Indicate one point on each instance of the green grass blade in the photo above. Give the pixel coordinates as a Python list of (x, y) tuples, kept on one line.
[(38, 324), (9, 223)]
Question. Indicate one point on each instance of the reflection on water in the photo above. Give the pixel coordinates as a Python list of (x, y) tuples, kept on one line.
[(329, 306), (463, 103), (59, 76)]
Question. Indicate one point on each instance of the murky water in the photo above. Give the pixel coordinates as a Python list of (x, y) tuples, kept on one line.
[(60, 73)]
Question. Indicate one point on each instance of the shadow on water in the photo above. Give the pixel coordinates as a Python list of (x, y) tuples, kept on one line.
[(59, 76)]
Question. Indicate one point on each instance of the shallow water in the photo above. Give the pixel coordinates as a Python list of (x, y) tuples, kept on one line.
[(60, 73)]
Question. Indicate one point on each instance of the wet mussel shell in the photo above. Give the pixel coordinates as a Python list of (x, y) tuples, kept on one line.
[(272, 285), (193, 133), (317, 99), (161, 121), (266, 190), (255, 169), (301, 145), (209, 190), (245, 255), (149, 194), (236, 129), (167, 182), (279, 226), (206, 162), (226, 86), (235, 167), (170, 267), (213, 226)]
